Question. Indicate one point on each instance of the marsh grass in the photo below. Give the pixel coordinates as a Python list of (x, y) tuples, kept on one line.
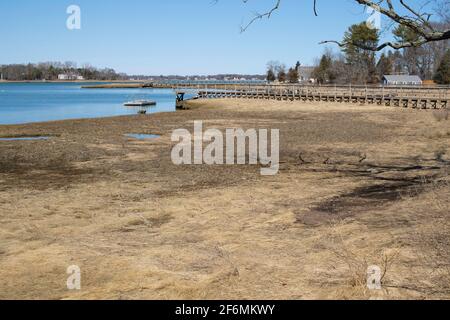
[(354, 262), (98, 198), (441, 115)]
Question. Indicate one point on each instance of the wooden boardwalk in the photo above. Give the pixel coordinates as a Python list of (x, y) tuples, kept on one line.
[(406, 102), (405, 97), (418, 97)]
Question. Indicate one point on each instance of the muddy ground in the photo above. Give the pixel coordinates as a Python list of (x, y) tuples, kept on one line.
[(358, 186)]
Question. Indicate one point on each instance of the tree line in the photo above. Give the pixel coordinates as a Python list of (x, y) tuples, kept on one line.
[(51, 70), (277, 71), (356, 63), (420, 45)]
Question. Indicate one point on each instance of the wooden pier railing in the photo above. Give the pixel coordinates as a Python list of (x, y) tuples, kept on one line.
[(409, 97)]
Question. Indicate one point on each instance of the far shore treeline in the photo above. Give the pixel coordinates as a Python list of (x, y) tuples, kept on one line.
[(52, 70)]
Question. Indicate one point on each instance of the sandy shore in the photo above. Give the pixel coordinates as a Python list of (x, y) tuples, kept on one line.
[(358, 186)]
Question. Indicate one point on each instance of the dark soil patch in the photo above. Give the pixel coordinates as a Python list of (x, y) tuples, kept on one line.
[(362, 200), (371, 196)]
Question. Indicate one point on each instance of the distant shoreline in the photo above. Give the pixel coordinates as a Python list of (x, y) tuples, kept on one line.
[(73, 81)]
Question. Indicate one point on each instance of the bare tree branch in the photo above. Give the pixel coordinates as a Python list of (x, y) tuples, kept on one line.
[(259, 16), (417, 21)]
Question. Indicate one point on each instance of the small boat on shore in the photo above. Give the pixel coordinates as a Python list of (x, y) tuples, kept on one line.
[(140, 103)]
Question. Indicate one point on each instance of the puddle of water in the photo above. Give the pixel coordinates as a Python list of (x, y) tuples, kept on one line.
[(142, 136), (24, 138)]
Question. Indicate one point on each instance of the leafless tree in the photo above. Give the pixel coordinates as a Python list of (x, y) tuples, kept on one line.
[(416, 19)]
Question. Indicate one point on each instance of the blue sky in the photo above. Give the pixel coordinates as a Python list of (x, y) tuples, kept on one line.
[(171, 36)]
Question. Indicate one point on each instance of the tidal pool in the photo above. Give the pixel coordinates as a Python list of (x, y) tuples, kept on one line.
[(140, 136), (24, 138)]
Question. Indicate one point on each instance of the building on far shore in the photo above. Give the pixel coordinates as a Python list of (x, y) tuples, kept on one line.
[(305, 74), (69, 77), (402, 80)]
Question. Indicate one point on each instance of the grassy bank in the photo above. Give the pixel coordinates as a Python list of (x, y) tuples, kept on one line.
[(358, 186)]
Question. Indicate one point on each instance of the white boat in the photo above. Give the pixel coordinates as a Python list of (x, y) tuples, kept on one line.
[(140, 103)]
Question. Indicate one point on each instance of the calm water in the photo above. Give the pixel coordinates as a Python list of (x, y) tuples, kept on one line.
[(36, 102), (140, 136), (24, 139)]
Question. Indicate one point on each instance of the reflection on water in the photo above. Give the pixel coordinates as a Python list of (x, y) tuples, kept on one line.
[(37, 102)]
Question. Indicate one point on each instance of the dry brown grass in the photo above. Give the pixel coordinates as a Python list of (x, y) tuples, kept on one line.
[(358, 186), (356, 262), (441, 115)]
